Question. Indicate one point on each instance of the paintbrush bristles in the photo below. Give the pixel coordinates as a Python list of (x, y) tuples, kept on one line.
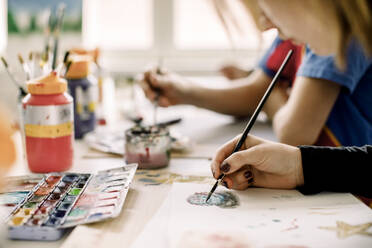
[(20, 59), (68, 64), (66, 57), (4, 62)]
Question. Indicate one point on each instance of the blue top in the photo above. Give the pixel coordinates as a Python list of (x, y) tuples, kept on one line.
[(350, 120)]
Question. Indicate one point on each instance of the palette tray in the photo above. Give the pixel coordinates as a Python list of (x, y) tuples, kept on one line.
[(45, 207)]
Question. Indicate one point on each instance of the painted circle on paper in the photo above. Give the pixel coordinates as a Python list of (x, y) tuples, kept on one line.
[(220, 199)]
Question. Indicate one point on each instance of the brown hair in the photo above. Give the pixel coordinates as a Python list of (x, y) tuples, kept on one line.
[(354, 20), (352, 17), (229, 21)]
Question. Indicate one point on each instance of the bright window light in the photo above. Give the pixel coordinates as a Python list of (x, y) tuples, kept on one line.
[(124, 24), (197, 26)]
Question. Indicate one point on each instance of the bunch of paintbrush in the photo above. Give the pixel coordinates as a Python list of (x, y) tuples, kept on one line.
[(37, 64), (22, 91), (52, 35)]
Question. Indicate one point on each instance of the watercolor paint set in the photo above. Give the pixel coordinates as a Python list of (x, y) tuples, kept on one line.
[(44, 207)]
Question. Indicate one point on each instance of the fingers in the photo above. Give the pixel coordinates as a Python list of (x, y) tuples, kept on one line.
[(222, 153), (164, 102), (227, 163), (152, 85), (149, 93), (153, 79), (240, 179), (239, 159)]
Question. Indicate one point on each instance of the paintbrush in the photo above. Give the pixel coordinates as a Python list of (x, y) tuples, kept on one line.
[(44, 63), (47, 31), (22, 91), (254, 117), (57, 29), (31, 64), (68, 64), (63, 66), (156, 100), (25, 67)]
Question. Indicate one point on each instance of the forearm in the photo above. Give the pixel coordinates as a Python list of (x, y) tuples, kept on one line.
[(301, 119), (238, 99), (341, 169), (290, 129)]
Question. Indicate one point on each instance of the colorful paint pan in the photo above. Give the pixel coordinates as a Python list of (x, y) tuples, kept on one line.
[(37, 198), (43, 191), (69, 198), (30, 205), (64, 206), (63, 200), (70, 178), (52, 180), (74, 191)]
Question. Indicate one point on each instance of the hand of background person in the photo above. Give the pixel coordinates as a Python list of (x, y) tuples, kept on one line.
[(173, 88), (259, 163), (233, 72)]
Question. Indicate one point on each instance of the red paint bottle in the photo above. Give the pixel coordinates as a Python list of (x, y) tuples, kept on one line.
[(48, 124)]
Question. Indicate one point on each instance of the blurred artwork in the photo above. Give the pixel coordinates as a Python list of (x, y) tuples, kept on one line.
[(28, 17)]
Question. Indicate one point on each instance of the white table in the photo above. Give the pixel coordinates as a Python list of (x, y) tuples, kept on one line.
[(205, 128)]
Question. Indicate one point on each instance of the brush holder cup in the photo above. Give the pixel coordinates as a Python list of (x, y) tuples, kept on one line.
[(148, 146)]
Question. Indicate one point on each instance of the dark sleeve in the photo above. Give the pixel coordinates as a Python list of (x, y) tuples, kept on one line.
[(339, 169)]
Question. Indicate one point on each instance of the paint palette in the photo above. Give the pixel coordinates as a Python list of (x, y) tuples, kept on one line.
[(56, 202)]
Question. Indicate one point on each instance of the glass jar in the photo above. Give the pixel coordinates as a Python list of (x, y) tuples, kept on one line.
[(148, 146)]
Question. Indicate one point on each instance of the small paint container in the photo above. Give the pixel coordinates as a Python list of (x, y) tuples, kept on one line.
[(74, 191), (17, 220), (148, 146), (37, 198), (52, 180), (69, 198), (43, 191), (70, 178)]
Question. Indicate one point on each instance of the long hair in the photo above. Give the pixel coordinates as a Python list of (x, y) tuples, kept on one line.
[(355, 20)]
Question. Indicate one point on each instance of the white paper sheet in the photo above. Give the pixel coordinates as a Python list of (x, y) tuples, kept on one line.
[(155, 232), (268, 218)]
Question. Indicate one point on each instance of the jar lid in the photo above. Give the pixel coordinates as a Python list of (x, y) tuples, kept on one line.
[(47, 85), (80, 66)]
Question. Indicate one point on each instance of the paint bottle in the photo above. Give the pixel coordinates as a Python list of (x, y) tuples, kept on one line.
[(148, 146), (83, 88), (98, 73), (48, 124)]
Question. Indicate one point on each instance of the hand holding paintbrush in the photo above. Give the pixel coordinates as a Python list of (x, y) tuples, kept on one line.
[(253, 118)]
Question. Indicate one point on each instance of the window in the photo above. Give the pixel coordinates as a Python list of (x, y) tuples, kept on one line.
[(3, 26), (118, 25), (186, 34), (197, 26)]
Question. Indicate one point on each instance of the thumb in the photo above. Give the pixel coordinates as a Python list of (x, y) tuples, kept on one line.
[(155, 81), (237, 160)]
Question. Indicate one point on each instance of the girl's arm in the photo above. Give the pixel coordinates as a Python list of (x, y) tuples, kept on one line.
[(300, 120), (239, 99)]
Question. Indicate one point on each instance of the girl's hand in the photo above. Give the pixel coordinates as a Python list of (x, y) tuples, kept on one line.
[(259, 163), (172, 89), (233, 72)]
